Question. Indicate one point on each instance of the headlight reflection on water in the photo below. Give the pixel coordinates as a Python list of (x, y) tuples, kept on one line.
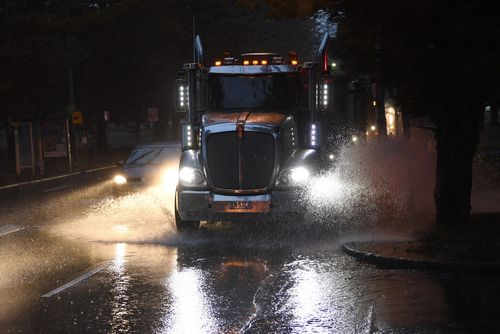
[(121, 308), (119, 256), (191, 308)]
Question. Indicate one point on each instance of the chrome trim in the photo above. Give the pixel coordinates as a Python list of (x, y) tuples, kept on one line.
[(231, 127), (242, 118), (229, 198)]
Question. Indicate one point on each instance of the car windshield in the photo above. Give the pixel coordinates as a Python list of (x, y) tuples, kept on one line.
[(148, 155), (277, 91)]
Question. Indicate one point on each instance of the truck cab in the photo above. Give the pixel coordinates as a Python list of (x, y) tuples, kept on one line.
[(250, 138)]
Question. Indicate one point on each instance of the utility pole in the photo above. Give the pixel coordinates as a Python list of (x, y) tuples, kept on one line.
[(71, 89), (194, 41)]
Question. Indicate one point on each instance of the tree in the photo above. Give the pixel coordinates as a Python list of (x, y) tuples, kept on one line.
[(441, 55)]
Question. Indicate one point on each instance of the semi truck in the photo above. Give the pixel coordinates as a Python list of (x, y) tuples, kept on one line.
[(251, 135)]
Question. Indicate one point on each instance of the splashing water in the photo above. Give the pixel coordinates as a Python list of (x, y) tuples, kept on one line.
[(375, 183), (370, 183), (142, 216)]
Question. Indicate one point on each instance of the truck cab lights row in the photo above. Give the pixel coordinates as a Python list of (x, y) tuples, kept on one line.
[(314, 135), (275, 61), (189, 136), (324, 96)]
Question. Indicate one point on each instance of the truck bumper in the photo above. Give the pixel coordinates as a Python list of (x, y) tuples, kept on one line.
[(205, 205)]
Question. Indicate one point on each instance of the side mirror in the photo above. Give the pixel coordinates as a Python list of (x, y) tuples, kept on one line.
[(181, 96)]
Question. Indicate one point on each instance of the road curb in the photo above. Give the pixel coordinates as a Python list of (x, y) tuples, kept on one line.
[(390, 262), (27, 183)]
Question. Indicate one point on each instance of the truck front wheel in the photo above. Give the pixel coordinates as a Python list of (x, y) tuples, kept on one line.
[(185, 225)]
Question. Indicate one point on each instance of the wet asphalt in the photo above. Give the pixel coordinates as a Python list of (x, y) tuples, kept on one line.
[(129, 271)]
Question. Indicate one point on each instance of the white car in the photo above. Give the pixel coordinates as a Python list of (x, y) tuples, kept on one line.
[(148, 165)]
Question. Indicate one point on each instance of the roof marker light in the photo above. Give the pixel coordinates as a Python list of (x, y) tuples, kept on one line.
[(264, 62), (218, 63), (255, 62), (246, 62), (295, 62)]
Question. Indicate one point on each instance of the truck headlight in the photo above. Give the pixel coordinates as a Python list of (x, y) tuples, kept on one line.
[(120, 179), (189, 176), (299, 174), (294, 176)]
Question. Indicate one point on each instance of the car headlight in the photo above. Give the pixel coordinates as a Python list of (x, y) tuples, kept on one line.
[(120, 179), (294, 176), (189, 176)]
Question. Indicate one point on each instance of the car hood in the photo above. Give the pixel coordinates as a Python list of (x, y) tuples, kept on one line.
[(141, 171)]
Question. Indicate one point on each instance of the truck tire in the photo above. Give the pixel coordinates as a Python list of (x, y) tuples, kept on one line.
[(185, 225)]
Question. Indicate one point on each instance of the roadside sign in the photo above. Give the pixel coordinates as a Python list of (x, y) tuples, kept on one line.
[(153, 115), (76, 118), (54, 139)]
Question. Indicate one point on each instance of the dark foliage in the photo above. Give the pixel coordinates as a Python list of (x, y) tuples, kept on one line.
[(124, 53)]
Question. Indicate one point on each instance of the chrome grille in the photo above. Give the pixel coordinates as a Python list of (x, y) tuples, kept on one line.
[(244, 165)]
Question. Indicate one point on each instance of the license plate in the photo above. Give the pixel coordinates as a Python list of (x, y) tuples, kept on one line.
[(241, 205)]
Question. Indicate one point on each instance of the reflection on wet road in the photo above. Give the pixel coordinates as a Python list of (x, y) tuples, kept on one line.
[(227, 278)]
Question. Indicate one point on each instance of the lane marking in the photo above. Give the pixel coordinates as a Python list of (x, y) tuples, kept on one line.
[(75, 281), (9, 228), (55, 188), (370, 321), (100, 168), (56, 177)]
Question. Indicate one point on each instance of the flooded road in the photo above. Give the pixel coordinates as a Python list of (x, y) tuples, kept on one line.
[(82, 260)]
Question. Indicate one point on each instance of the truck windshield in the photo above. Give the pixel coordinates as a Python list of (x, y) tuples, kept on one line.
[(278, 91)]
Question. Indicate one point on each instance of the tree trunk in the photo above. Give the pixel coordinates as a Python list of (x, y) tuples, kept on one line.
[(406, 123), (381, 120), (159, 127), (494, 112), (456, 142), (102, 135)]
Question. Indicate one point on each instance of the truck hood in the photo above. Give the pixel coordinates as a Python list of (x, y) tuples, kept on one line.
[(271, 118)]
